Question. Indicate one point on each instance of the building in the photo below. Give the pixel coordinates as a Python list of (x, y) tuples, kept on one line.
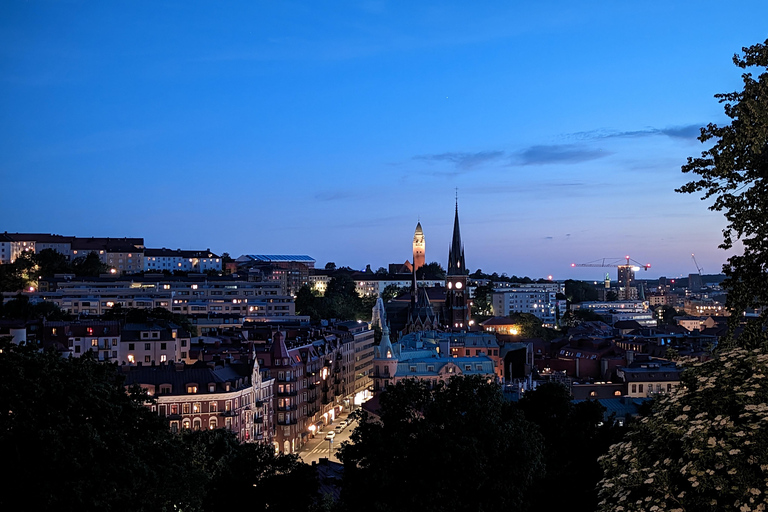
[(277, 258), (125, 255), (236, 397), (359, 367), (419, 248), (649, 377), (432, 357), (456, 309), (158, 260), (75, 338), (540, 302), (613, 312)]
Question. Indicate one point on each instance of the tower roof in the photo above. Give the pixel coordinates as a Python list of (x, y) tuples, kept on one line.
[(456, 264), (418, 235)]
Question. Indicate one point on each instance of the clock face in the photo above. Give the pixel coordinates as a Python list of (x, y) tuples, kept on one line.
[(458, 286)]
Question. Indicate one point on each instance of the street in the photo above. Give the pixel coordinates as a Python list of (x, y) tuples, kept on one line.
[(319, 447)]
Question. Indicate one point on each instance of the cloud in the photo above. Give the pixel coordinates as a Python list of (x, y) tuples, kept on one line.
[(462, 160), (557, 154), (689, 131)]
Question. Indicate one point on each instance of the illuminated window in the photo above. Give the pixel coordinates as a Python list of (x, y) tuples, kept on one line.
[(191, 389)]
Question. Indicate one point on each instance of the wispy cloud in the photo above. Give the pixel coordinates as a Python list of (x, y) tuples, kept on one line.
[(690, 131), (557, 154), (463, 161)]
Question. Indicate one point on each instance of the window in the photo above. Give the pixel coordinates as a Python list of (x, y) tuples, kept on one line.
[(640, 388), (77, 349), (130, 358), (212, 423), (191, 389), (593, 393), (163, 358), (185, 408), (228, 405), (114, 342), (183, 355), (144, 335), (669, 388), (174, 426), (196, 407), (213, 407), (94, 342), (147, 359), (162, 346), (617, 393), (130, 346), (183, 343), (175, 409), (185, 425), (165, 390), (155, 335), (211, 388), (147, 346)]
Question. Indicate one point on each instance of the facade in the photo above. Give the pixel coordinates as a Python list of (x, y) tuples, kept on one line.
[(158, 260), (360, 364), (78, 337), (235, 397), (432, 357), (539, 302), (636, 310), (125, 255), (648, 378), (153, 343), (185, 295)]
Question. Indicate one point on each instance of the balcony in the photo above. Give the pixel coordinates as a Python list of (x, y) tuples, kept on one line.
[(291, 421), (286, 408), (258, 403), (260, 419), (287, 393)]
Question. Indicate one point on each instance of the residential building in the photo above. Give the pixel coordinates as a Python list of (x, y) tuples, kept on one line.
[(158, 260), (540, 302)]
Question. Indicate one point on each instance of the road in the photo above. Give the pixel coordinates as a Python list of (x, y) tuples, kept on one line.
[(318, 448)]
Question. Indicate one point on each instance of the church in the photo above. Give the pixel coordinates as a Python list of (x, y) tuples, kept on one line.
[(434, 308)]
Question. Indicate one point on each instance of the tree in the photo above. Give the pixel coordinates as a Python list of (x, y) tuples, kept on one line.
[(89, 265), (381, 271), (341, 300), (481, 303), (734, 172), (330, 266), (703, 448), (250, 475), (431, 271), (458, 446), (308, 303), (391, 291), (575, 435), (51, 262), (579, 291), (76, 440)]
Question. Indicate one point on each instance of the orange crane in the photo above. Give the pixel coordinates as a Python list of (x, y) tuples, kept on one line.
[(625, 268)]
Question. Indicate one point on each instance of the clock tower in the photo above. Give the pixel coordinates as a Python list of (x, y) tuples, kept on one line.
[(456, 296), (418, 248)]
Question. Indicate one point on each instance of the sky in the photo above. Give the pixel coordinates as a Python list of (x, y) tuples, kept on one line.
[(332, 128)]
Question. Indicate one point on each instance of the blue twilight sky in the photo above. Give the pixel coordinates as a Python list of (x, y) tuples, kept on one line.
[(330, 128)]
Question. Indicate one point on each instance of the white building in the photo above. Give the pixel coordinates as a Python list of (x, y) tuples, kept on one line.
[(540, 302), (157, 260)]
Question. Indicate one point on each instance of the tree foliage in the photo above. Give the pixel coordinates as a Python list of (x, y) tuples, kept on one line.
[(481, 303), (459, 446), (703, 448), (579, 291), (77, 441), (391, 291), (734, 172), (575, 436), (431, 270)]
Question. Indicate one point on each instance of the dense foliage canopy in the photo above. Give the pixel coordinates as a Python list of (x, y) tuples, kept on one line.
[(457, 446), (734, 172)]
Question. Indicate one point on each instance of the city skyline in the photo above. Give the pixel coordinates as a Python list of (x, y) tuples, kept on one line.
[(295, 129)]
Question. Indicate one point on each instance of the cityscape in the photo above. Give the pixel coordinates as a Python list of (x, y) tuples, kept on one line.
[(436, 257)]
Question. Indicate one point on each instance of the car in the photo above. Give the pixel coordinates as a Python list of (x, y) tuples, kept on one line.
[(330, 435), (343, 424)]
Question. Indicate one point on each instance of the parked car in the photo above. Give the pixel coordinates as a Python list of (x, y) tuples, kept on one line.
[(330, 435), (343, 424)]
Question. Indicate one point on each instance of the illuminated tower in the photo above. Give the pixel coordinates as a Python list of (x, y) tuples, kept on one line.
[(418, 248), (456, 304)]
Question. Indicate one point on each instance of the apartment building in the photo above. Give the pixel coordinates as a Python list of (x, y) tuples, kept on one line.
[(237, 397), (158, 260), (540, 302)]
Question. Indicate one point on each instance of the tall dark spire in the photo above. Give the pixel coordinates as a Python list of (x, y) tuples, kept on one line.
[(456, 251)]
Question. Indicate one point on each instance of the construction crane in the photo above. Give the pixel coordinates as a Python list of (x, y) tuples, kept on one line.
[(625, 267), (698, 268)]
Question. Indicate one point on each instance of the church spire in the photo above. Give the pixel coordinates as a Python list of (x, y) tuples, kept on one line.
[(456, 251)]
